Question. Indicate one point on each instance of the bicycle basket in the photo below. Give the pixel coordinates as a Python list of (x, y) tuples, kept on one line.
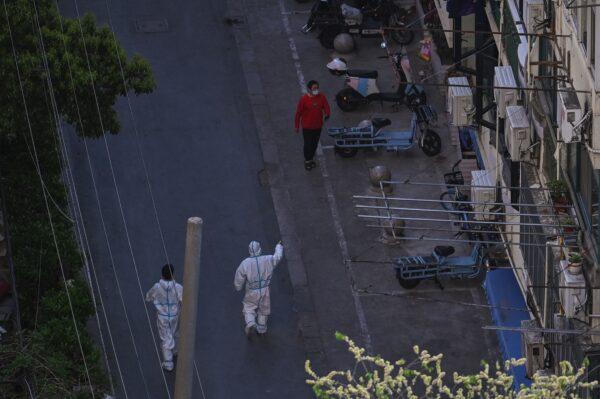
[(454, 178)]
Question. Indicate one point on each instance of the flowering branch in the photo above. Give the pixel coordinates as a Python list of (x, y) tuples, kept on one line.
[(424, 378)]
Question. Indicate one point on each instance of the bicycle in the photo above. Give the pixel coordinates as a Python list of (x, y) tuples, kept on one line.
[(452, 199)]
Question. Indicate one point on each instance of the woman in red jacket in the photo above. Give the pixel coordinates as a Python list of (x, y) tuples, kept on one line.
[(311, 111)]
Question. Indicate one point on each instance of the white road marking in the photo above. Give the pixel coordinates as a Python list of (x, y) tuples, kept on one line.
[(362, 320)]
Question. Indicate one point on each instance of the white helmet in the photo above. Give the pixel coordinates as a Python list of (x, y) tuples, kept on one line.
[(337, 65)]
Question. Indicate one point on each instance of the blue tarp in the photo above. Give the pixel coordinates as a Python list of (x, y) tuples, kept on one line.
[(468, 142), (508, 310)]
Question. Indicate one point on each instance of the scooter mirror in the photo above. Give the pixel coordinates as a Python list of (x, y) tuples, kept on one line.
[(383, 45)]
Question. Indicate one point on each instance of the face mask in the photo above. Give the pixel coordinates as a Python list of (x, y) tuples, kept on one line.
[(315, 92)]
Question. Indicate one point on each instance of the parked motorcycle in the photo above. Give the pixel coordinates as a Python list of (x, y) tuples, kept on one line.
[(361, 86), (364, 19)]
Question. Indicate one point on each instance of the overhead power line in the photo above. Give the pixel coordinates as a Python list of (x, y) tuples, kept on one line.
[(39, 172), (143, 161), (101, 123), (67, 169)]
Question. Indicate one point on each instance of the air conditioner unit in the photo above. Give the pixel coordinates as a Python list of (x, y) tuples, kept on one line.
[(460, 101), (504, 77), (533, 14), (517, 133), (569, 113), (483, 194), (572, 292), (532, 347)]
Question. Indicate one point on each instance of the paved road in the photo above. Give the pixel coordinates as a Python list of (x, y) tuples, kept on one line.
[(203, 157)]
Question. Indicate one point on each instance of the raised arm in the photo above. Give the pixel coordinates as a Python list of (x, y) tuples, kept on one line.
[(278, 255)]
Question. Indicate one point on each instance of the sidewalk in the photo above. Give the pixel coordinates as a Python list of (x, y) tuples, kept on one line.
[(315, 209)]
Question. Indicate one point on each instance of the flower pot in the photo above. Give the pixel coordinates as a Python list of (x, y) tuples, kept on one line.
[(575, 261), (575, 268)]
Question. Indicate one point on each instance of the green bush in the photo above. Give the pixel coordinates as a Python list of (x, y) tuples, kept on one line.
[(50, 354)]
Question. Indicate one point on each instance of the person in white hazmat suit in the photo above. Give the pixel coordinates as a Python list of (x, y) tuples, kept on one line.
[(255, 272), (167, 295)]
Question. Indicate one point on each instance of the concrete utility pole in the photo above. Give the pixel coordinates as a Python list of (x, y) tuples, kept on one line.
[(191, 278)]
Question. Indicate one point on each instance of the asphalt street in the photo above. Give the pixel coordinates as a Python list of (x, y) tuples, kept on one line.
[(197, 135)]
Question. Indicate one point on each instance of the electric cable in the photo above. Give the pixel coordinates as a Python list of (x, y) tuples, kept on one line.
[(143, 160), (38, 170), (118, 195), (103, 223), (67, 168)]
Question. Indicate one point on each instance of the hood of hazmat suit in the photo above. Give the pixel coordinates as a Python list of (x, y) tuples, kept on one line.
[(254, 248)]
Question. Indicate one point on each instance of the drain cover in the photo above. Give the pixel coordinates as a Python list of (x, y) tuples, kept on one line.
[(151, 25)]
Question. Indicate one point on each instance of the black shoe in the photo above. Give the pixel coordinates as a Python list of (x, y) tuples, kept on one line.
[(250, 331), (308, 165), (313, 164)]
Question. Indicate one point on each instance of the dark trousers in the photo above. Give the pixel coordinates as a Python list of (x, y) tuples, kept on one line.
[(311, 141)]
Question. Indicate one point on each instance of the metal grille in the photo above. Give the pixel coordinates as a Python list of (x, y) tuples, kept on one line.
[(544, 274)]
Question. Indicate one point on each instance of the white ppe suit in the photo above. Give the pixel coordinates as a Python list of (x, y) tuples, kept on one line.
[(166, 295), (256, 272)]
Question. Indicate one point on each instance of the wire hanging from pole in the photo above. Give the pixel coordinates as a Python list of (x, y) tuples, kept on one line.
[(143, 161), (116, 190), (67, 168), (38, 170)]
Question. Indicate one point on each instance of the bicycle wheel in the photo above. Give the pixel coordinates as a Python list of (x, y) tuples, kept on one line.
[(406, 284), (447, 196)]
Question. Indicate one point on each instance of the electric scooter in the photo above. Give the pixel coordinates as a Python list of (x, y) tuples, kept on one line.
[(365, 19), (361, 86)]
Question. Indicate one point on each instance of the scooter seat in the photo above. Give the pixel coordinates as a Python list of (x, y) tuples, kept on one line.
[(442, 250), (378, 123), (363, 73), (393, 97)]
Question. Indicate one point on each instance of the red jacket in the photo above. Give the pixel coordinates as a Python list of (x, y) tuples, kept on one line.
[(310, 111)]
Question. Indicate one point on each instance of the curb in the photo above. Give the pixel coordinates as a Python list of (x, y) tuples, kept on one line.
[(308, 325)]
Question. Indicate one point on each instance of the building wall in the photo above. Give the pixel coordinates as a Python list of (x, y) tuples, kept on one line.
[(579, 164)]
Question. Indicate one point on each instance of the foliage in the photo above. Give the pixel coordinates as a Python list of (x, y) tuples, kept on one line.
[(373, 377), (50, 353), (575, 257), (558, 188), (68, 57)]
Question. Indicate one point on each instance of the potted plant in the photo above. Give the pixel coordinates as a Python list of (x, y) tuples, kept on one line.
[(558, 194), (568, 223), (575, 262)]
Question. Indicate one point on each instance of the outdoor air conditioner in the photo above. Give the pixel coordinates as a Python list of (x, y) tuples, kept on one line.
[(483, 194), (533, 14), (569, 113), (517, 133), (460, 101), (572, 291), (532, 347), (504, 77)]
